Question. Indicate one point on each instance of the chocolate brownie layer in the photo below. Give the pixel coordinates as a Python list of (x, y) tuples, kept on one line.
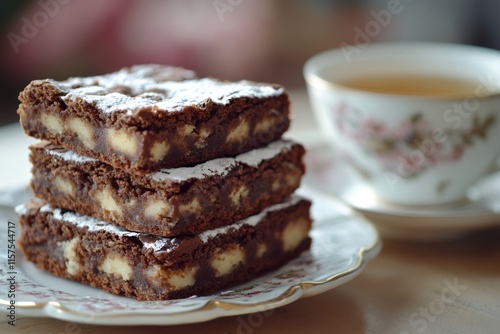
[(171, 201), (149, 117), (148, 267)]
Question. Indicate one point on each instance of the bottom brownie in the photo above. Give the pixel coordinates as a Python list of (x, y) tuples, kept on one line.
[(149, 267)]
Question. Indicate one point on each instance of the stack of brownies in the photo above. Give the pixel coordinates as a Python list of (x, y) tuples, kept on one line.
[(154, 184)]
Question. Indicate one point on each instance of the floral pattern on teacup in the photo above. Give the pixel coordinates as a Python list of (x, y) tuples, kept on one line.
[(413, 145)]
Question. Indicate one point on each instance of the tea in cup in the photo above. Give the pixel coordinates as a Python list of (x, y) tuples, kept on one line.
[(421, 120)]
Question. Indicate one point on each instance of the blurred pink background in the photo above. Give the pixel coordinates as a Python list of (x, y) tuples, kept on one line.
[(263, 40)]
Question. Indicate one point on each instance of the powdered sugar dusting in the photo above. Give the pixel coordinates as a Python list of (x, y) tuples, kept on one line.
[(94, 224), (131, 80), (256, 156), (166, 88), (69, 156), (81, 221), (252, 220), (177, 96), (159, 243), (222, 166), (21, 209)]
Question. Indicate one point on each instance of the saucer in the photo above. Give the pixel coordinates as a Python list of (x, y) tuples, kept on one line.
[(329, 173)]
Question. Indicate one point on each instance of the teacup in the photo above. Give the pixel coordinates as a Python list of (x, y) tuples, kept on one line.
[(421, 120)]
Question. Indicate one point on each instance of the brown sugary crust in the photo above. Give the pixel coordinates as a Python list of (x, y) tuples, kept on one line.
[(143, 137), (147, 267), (166, 207)]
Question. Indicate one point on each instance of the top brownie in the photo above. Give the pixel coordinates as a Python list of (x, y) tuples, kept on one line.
[(149, 117)]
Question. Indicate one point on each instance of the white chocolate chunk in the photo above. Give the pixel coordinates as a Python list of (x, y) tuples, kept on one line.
[(225, 261), (192, 207), (294, 233), (69, 254), (293, 177), (186, 130), (53, 123), (159, 151), (276, 185), (121, 141), (175, 279), (239, 133), (155, 208), (238, 194), (264, 125), (64, 185), (201, 140), (261, 249), (154, 274), (117, 265), (107, 202), (83, 130), (183, 278)]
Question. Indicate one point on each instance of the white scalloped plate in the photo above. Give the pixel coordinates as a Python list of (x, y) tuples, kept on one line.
[(342, 243)]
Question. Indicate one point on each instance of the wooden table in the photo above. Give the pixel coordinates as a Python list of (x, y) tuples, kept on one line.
[(451, 287), (446, 287)]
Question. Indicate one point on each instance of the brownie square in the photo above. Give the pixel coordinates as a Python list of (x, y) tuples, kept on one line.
[(149, 267), (171, 201), (149, 117)]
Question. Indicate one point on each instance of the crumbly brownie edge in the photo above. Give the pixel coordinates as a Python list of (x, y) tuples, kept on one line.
[(143, 267), (158, 205)]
